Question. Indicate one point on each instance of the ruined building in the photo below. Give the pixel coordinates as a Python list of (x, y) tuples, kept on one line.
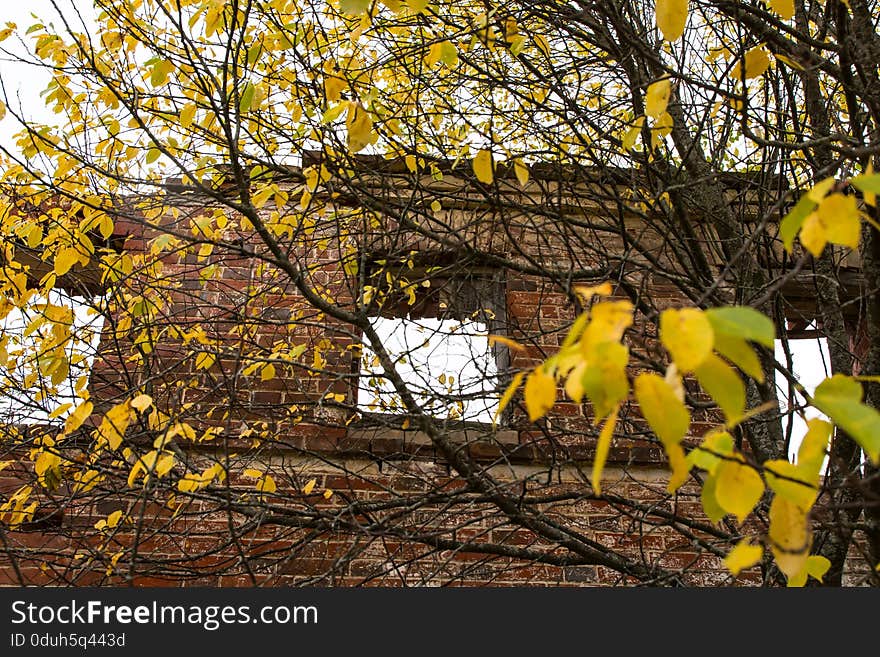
[(231, 359)]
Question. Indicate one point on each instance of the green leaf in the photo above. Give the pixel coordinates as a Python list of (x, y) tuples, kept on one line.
[(741, 354), (792, 222), (354, 7), (709, 455), (744, 323), (724, 385), (839, 397), (867, 183), (738, 488), (711, 508), (247, 98)]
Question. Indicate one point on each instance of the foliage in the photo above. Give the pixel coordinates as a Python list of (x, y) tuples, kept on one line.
[(678, 173)]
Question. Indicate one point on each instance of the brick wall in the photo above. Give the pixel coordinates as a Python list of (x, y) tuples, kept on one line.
[(360, 499)]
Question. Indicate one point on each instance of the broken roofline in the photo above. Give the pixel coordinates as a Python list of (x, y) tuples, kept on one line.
[(379, 165)]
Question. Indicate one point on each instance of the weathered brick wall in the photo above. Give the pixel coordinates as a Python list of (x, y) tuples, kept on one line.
[(215, 539)]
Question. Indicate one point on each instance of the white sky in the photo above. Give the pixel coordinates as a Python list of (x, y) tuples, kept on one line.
[(19, 79)]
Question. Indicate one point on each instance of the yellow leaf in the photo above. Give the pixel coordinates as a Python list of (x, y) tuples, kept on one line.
[(604, 379), (602, 447), (671, 18), (354, 7), (483, 167), (785, 8), (869, 196), (141, 402), (738, 488), (360, 128), (542, 44), (66, 258), (587, 292), (660, 406), (266, 484), (839, 217), (187, 114), (755, 63), (522, 172), (813, 235), (507, 342), (539, 394), (817, 566), (688, 336), (680, 466), (788, 61), (608, 321), (328, 494), (508, 395), (657, 97), (333, 87), (204, 361), (310, 486), (724, 385), (574, 383), (81, 414), (114, 518), (820, 189), (792, 482), (632, 134), (789, 535), (811, 453), (267, 373), (744, 555)]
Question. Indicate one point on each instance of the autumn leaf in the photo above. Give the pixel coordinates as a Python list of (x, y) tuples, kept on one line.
[(666, 414), (743, 555), (724, 385), (657, 97), (483, 167), (789, 534), (688, 335), (603, 445), (785, 8), (671, 17), (539, 394), (738, 488), (360, 128)]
